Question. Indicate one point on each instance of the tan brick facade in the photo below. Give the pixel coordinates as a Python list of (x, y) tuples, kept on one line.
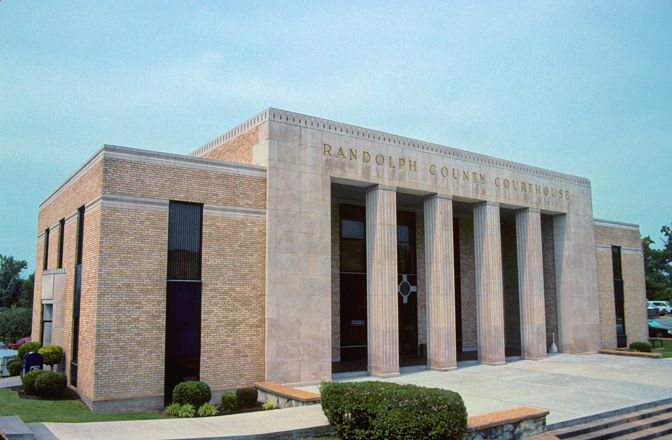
[(238, 149), (628, 238), (123, 301)]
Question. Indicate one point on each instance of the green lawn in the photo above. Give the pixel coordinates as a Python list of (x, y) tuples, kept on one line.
[(666, 350), (66, 411)]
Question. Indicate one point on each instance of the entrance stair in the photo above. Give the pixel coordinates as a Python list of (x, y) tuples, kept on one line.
[(655, 422)]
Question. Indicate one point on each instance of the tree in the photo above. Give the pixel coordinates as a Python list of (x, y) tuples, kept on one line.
[(658, 267), (27, 288), (15, 323), (10, 280)]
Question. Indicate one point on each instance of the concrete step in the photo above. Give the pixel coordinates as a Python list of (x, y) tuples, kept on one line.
[(583, 431), (639, 425)]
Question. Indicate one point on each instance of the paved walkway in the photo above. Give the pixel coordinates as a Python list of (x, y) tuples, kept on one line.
[(569, 386)]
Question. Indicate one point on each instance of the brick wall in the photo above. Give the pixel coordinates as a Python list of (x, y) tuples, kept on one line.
[(510, 284), (233, 312), (468, 279), (632, 264), (238, 149), (550, 295)]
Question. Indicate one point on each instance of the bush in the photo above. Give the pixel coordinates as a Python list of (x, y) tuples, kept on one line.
[(380, 410), (50, 384), (269, 405), (247, 397), (207, 409), (27, 348), (52, 354), (641, 346), (14, 367), (186, 410), (28, 381), (193, 392), (173, 409), (229, 402)]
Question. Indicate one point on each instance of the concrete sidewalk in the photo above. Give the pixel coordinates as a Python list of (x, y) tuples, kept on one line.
[(571, 387)]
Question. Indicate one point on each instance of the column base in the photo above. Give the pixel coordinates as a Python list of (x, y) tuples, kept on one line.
[(535, 358), (442, 368), (493, 363), (384, 375)]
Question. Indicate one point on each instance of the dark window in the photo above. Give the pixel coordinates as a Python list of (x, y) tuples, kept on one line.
[(184, 241), (80, 235), (61, 235), (183, 295), (458, 282), (619, 299), (353, 239), (45, 260), (407, 284), (47, 313)]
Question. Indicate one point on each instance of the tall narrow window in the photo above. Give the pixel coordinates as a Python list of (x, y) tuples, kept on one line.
[(619, 297), (61, 236), (407, 297), (47, 317), (74, 357), (183, 295), (45, 260)]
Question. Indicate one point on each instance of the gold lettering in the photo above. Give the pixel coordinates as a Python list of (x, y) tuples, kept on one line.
[(444, 172), (475, 180), (402, 162), (530, 185), (458, 174), (382, 159), (537, 188), (506, 183), (327, 150), (523, 187), (353, 154), (561, 194), (567, 194), (366, 157), (482, 178), (553, 192), (545, 190), (497, 182), (340, 153), (390, 164), (413, 165), (432, 170), (514, 183), (465, 176)]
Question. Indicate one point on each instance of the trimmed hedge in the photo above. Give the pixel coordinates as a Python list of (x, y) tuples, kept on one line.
[(51, 354), (641, 346), (27, 348), (247, 397), (14, 367), (382, 410), (229, 402), (50, 384), (193, 392), (28, 381)]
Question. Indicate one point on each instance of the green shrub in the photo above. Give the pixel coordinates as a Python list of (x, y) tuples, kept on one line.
[(14, 367), (173, 409), (641, 346), (247, 397), (229, 402), (193, 392), (27, 348), (51, 354), (28, 381), (207, 409), (186, 410), (50, 384), (381, 410), (269, 405)]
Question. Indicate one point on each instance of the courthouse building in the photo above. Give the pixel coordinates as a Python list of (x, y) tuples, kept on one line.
[(292, 248)]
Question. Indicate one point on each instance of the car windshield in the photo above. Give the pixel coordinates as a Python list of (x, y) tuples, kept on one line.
[(654, 324)]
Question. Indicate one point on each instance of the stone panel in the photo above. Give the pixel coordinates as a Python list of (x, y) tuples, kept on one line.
[(468, 285), (549, 280)]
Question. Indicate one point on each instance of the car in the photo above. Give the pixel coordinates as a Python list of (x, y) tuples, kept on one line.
[(19, 343), (658, 330), (662, 306)]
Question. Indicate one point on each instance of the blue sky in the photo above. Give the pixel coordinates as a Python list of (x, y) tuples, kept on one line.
[(579, 87)]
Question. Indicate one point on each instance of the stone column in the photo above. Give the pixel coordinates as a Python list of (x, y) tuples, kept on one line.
[(531, 284), (381, 279), (489, 284), (441, 336)]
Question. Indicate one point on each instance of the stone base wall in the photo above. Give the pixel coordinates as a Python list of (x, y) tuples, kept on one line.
[(510, 431)]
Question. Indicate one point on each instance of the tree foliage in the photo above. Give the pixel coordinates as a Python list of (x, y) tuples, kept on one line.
[(15, 323), (658, 266), (10, 280)]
